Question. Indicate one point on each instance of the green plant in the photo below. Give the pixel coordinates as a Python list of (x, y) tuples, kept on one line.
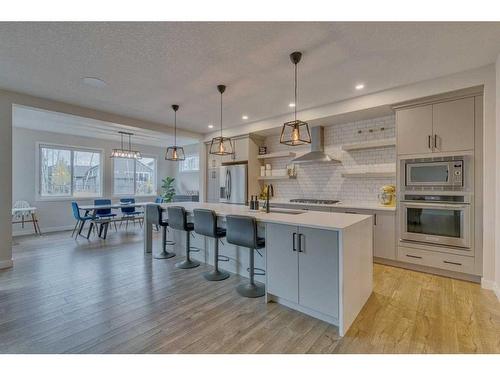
[(168, 189)]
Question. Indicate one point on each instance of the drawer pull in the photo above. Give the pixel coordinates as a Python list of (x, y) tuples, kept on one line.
[(454, 263), (413, 256)]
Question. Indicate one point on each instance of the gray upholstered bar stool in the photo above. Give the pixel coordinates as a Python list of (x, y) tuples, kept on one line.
[(242, 231), (177, 219), (158, 220), (205, 223)]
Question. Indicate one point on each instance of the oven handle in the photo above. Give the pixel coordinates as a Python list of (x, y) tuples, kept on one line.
[(436, 205)]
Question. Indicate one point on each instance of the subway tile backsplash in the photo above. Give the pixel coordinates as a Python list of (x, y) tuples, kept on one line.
[(324, 181)]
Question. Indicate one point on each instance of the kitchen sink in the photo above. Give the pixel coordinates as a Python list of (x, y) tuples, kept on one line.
[(285, 211)]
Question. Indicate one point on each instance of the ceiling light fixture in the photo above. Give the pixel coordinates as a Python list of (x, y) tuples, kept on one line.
[(291, 105), (94, 82), (296, 132), (210, 126), (244, 117), (221, 145), (359, 86), (175, 153), (123, 152)]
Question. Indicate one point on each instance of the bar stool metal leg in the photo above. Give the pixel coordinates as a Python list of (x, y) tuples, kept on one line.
[(252, 289), (188, 263), (164, 253), (216, 274)]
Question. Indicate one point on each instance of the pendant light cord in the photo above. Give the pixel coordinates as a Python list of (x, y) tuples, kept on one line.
[(175, 128), (295, 108), (221, 115)]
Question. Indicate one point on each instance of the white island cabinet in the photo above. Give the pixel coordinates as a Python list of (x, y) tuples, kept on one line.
[(319, 263)]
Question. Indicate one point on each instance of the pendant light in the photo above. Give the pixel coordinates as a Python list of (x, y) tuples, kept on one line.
[(296, 132), (221, 145), (175, 153), (123, 152)]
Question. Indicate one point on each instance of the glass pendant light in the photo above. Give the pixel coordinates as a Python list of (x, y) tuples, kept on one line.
[(175, 153), (123, 152), (221, 145), (296, 132)]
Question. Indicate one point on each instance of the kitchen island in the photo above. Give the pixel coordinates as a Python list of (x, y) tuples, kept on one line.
[(319, 263)]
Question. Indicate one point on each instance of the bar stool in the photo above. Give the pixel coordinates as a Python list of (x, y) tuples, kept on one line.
[(158, 220), (242, 231), (205, 223), (177, 219)]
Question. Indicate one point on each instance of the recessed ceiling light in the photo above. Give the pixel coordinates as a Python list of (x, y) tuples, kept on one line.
[(210, 126), (291, 105), (94, 82), (359, 86), (244, 117)]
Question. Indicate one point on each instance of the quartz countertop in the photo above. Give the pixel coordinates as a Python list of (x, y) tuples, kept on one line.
[(341, 204), (312, 219)]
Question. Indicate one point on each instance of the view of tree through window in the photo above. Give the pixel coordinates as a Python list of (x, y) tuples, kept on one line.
[(134, 177), (68, 172)]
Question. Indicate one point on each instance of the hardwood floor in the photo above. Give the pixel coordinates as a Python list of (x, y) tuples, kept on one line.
[(67, 296)]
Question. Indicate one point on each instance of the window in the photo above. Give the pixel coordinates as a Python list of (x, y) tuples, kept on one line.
[(190, 164), (69, 172), (134, 177)]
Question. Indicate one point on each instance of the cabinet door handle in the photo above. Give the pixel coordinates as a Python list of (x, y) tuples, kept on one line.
[(294, 240), (435, 141), (300, 243), (429, 141), (413, 256), (454, 263), (374, 219)]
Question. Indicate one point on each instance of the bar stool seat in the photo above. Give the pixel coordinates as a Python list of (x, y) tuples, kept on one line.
[(177, 219), (242, 231), (205, 223), (158, 220)]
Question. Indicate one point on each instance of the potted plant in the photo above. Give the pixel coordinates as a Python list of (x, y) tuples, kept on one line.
[(168, 189)]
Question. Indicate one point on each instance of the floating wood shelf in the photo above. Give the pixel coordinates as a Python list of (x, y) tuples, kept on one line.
[(280, 154), (372, 174), (379, 143), (265, 178)]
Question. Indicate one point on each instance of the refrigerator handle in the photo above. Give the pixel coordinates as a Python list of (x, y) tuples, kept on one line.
[(226, 184), (230, 183)]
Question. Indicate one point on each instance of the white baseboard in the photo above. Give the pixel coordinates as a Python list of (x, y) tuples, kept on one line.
[(492, 285), (6, 264), (30, 230)]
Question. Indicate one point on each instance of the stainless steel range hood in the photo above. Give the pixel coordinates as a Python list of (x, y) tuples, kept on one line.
[(317, 153)]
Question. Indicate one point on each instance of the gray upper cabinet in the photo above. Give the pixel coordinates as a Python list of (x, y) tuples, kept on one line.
[(441, 127), (414, 130), (453, 125)]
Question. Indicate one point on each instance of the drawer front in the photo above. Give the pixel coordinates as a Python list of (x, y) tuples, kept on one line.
[(450, 262)]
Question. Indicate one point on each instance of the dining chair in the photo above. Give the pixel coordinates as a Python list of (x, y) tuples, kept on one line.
[(80, 220), (104, 213), (130, 213)]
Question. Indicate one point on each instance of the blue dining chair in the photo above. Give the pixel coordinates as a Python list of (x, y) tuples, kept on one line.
[(104, 213), (159, 200), (80, 220), (130, 213)]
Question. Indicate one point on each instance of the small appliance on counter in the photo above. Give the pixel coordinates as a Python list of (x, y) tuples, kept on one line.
[(387, 195)]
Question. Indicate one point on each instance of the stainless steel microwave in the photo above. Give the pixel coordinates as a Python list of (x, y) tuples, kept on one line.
[(434, 173)]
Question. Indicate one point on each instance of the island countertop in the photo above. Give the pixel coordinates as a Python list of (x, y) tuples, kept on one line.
[(311, 219)]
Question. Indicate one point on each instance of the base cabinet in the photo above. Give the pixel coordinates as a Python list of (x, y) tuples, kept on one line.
[(303, 268)]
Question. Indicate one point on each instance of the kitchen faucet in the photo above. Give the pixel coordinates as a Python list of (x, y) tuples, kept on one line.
[(269, 191)]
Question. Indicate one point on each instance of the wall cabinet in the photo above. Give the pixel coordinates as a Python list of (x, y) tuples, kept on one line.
[(303, 266), (440, 127), (213, 185)]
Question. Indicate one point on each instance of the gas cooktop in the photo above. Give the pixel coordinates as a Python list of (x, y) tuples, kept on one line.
[(314, 201)]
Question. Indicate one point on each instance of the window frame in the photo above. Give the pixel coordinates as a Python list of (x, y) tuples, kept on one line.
[(72, 149), (190, 170), (155, 177)]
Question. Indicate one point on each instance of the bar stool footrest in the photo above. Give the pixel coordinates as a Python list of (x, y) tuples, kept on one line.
[(257, 271), (223, 258), (193, 249)]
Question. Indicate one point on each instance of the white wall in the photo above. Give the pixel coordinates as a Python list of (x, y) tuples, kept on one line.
[(6, 185), (56, 214), (496, 286)]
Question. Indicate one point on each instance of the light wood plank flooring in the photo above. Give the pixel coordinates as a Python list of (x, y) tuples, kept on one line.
[(67, 296)]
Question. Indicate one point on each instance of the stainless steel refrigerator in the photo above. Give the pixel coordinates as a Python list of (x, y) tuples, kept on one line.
[(233, 184)]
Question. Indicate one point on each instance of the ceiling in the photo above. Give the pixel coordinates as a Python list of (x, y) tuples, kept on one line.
[(38, 119), (149, 66)]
